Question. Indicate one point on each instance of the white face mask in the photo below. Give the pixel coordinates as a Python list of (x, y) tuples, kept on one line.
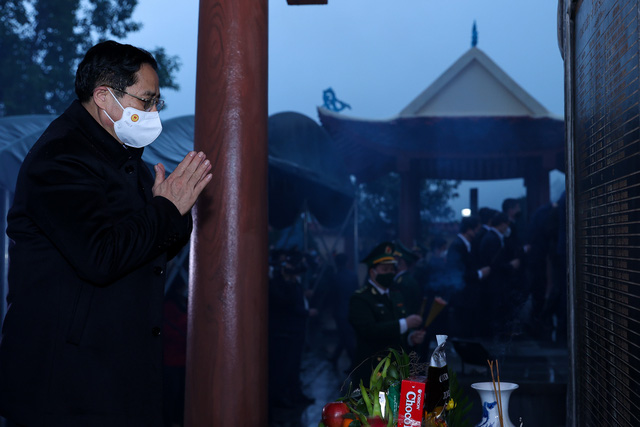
[(136, 128), (507, 232)]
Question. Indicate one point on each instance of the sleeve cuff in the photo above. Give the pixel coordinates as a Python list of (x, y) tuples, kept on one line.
[(403, 326)]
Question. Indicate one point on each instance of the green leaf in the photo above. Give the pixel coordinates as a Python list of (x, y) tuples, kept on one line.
[(377, 410), (456, 417), (365, 398), (389, 414)]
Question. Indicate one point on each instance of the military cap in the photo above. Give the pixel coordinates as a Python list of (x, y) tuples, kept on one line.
[(381, 254), (401, 251)]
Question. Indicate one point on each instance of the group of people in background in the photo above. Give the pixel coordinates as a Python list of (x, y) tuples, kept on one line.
[(500, 278)]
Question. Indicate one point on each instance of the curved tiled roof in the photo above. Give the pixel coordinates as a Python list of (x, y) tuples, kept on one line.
[(468, 148)]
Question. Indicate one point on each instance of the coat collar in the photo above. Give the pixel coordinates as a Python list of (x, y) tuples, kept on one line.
[(465, 241), (99, 138), (377, 290)]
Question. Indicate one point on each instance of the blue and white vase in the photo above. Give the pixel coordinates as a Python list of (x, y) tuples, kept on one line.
[(490, 416)]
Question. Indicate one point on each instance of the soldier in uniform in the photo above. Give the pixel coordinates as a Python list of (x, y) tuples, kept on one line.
[(378, 315)]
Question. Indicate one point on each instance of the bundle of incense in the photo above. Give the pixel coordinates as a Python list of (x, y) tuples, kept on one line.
[(436, 307), (423, 306)]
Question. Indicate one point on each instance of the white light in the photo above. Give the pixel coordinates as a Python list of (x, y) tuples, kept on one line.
[(466, 212)]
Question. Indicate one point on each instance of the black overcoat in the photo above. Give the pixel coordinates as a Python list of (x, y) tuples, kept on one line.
[(500, 283), (89, 244), (461, 260)]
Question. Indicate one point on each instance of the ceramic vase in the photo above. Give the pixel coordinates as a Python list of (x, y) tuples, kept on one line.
[(490, 416)]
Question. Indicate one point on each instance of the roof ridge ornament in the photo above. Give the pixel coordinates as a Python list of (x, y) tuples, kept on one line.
[(474, 35), (332, 103)]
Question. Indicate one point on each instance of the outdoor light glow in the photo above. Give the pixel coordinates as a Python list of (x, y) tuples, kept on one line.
[(466, 212)]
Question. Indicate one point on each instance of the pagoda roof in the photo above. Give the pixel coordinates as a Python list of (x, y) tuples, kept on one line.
[(473, 123), (474, 86), (440, 147)]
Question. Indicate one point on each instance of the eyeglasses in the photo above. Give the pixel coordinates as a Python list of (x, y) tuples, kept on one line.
[(148, 103)]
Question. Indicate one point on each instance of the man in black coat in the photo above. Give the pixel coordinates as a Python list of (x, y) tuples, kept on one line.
[(91, 232), (378, 315), (466, 278), (502, 290), (484, 215)]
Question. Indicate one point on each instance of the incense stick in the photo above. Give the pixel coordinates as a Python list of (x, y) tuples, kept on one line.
[(497, 391), (499, 394)]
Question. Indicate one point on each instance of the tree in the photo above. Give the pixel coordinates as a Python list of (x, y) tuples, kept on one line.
[(378, 205), (434, 197), (42, 42)]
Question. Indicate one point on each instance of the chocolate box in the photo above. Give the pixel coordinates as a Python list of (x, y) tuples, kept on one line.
[(411, 402)]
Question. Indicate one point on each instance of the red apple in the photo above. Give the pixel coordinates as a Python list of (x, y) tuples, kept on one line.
[(376, 422), (332, 413)]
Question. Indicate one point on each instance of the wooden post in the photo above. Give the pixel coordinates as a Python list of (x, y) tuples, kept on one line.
[(473, 201), (409, 208), (536, 180), (227, 343)]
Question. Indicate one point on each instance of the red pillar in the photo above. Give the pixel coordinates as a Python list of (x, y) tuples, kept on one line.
[(227, 343), (409, 209)]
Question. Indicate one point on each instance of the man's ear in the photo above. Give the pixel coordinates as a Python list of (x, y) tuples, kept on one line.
[(100, 95)]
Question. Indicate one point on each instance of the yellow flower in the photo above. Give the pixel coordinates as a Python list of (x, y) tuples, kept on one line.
[(451, 404)]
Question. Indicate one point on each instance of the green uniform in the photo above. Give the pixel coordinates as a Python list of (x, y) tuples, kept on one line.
[(375, 320), (411, 291)]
